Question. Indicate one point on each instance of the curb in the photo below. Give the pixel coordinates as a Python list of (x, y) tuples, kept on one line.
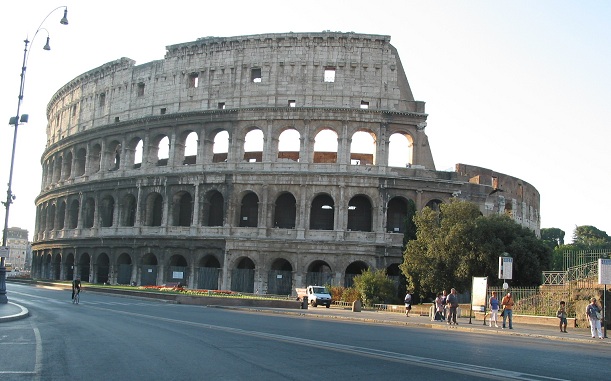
[(20, 315)]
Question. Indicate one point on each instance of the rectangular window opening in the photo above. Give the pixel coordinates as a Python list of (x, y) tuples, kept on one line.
[(292, 103), (364, 105), (102, 99), (162, 110), (141, 89), (194, 80), (255, 75), (221, 106), (329, 74)]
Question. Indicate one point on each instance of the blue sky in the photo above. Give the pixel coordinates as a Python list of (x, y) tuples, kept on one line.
[(520, 87)]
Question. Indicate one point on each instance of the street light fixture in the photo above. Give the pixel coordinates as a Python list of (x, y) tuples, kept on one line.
[(15, 121)]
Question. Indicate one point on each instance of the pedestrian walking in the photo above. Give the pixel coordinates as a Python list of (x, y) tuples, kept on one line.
[(408, 303), (452, 302), (494, 309), (594, 313), (444, 300), (439, 307), (561, 314), (507, 304)]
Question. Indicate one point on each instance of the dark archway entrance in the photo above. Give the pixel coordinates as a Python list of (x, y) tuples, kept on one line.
[(280, 278)]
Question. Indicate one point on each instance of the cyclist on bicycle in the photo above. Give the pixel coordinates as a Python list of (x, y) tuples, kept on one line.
[(76, 286)]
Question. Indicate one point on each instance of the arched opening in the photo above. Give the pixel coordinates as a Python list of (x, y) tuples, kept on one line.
[(124, 264), (325, 147), (190, 150), (73, 214), (354, 269), (280, 278), (67, 172), (213, 209), (178, 270), (400, 150), (81, 160), (103, 267), (163, 151), (107, 211), (61, 215), (149, 270), (220, 147), (69, 266), (396, 213), (243, 276), (249, 211), (359, 214), (154, 210), (363, 148), (285, 211), (182, 209), (56, 267), (128, 210), (84, 265), (319, 274), (96, 158), (209, 273), (88, 213), (322, 213), (253, 146), (434, 205), (288, 145)]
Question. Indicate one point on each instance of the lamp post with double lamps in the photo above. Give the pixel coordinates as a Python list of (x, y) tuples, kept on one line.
[(15, 121)]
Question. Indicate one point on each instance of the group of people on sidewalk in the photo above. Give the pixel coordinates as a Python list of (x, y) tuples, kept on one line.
[(446, 307)]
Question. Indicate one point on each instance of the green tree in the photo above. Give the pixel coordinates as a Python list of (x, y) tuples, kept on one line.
[(554, 237), (589, 237), (433, 261), (457, 243), (374, 287)]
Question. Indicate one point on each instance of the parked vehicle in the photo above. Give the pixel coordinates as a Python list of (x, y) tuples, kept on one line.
[(317, 295)]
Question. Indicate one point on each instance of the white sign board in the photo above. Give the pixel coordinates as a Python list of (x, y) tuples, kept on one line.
[(177, 274), (505, 268), (604, 271), (478, 293)]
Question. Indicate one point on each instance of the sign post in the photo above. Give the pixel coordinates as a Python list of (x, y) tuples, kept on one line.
[(505, 269), (604, 277)]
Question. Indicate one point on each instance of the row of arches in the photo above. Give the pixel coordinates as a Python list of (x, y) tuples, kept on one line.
[(190, 147), (281, 277), (212, 208)]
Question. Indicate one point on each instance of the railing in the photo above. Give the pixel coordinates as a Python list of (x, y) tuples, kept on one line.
[(554, 278), (535, 301)]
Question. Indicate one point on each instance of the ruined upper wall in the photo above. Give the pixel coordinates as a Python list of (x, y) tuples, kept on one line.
[(507, 195), (269, 70)]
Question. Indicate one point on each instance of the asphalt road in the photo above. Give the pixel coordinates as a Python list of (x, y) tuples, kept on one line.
[(108, 337)]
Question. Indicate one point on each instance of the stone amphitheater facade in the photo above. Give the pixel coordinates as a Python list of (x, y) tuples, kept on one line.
[(254, 163)]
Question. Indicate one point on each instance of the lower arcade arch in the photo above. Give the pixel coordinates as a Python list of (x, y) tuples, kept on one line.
[(354, 269), (280, 278), (208, 273), (102, 269), (148, 276), (177, 271), (319, 274), (84, 265), (124, 269), (243, 276)]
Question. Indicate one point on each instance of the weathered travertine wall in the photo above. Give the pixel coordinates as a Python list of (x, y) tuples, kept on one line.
[(149, 175)]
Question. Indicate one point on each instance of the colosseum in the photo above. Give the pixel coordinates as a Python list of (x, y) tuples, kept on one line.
[(255, 163)]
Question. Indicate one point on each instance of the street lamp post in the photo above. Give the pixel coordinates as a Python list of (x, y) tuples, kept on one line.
[(16, 120)]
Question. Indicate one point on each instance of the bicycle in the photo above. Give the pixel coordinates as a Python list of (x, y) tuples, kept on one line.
[(76, 298)]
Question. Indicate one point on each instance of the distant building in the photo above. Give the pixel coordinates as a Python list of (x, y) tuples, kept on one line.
[(19, 249), (262, 162)]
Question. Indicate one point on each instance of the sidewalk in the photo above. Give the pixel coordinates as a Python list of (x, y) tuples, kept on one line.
[(395, 318)]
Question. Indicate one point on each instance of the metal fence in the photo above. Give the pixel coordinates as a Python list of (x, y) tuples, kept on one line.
[(535, 300)]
